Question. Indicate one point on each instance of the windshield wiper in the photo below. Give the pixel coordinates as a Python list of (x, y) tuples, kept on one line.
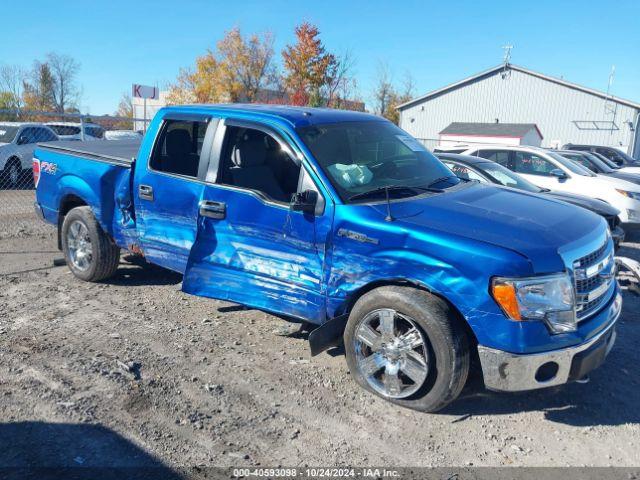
[(441, 179), (391, 188)]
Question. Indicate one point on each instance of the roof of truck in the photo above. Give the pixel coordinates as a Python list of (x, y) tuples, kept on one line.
[(296, 116)]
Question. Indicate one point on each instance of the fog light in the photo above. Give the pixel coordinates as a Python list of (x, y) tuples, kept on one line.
[(547, 372)]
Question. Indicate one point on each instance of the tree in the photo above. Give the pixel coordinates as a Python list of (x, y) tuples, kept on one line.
[(64, 70), (125, 109), (235, 72), (309, 69), (38, 91), (387, 96), (12, 78)]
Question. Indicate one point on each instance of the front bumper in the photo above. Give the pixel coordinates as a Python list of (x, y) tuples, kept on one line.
[(504, 371)]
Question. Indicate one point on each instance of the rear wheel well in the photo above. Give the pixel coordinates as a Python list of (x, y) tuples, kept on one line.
[(67, 203)]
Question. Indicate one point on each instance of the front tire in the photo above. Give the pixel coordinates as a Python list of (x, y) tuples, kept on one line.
[(407, 346), (89, 252)]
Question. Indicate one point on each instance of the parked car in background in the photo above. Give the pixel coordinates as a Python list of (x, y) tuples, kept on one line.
[(615, 166), (599, 166), (122, 135), (486, 171), (615, 155), (344, 221), (551, 170), (17, 142), (73, 131), (451, 148)]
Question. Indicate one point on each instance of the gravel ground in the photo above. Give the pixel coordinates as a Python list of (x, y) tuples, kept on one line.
[(133, 372)]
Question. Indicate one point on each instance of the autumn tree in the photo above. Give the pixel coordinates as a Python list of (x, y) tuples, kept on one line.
[(309, 68), (235, 72), (125, 109)]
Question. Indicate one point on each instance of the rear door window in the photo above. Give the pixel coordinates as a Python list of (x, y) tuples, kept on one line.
[(499, 156), (178, 147), (531, 164)]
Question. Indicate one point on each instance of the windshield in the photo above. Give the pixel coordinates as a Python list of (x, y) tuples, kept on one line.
[(506, 177), (65, 129), (589, 161), (7, 134), (612, 165), (626, 157), (360, 157), (574, 167)]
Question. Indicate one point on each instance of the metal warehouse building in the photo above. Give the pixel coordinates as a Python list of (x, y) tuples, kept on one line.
[(564, 112)]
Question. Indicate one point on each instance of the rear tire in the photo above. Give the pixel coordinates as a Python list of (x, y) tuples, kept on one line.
[(89, 252), (419, 360), (11, 174)]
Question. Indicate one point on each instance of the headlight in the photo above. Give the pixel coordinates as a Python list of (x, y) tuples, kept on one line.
[(634, 195), (547, 298)]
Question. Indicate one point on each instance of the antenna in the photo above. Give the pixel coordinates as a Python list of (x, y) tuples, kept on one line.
[(506, 60), (610, 107), (507, 53)]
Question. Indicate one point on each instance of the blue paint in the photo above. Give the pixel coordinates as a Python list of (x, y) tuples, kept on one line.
[(269, 257)]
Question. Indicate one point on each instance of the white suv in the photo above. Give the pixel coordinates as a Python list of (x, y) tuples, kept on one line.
[(73, 131), (551, 170), (17, 142)]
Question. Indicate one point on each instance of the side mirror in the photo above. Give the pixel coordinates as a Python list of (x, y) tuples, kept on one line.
[(22, 140), (559, 174), (304, 201)]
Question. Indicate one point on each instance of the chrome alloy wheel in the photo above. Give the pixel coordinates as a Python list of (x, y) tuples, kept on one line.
[(79, 246), (391, 353), (14, 175)]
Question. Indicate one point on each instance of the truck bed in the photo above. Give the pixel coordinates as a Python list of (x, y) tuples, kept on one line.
[(119, 152)]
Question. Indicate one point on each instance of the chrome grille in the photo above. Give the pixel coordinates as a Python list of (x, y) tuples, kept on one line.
[(591, 259), (593, 278)]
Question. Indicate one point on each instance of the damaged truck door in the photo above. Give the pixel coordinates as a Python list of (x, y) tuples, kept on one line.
[(254, 247)]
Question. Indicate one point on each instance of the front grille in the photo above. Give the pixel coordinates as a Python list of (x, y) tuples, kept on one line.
[(584, 286), (594, 275), (592, 258)]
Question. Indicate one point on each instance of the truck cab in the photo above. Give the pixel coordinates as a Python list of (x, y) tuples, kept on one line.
[(344, 221)]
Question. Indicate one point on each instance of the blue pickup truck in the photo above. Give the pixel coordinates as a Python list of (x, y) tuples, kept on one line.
[(343, 221)]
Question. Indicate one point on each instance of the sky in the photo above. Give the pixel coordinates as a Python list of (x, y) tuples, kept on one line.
[(119, 43)]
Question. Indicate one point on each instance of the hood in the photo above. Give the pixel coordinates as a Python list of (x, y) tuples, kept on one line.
[(532, 225), (618, 183), (635, 170), (627, 176), (596, 206)]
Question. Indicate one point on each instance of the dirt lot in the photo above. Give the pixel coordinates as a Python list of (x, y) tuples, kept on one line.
[(133, 372)]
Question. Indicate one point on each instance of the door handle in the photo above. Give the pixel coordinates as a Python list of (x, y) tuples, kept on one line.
[(210, 209), (145, 192)]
